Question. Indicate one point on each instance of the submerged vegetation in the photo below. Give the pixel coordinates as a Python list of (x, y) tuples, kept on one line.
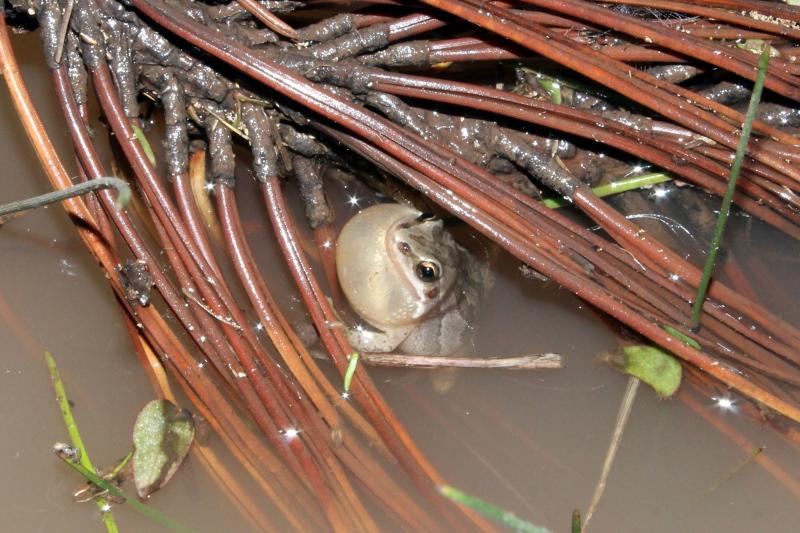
[(149, 439), (488, 112)]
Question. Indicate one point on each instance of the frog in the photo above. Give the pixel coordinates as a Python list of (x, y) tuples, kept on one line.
[(407, 278)]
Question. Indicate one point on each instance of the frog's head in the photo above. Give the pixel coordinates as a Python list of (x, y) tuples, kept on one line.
[(427, 258), (395, 265)]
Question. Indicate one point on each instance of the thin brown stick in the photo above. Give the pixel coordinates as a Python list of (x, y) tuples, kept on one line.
[(623, 415), (520, 362), (269, 19)]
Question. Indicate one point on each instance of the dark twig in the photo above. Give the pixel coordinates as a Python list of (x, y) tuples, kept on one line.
[(122, 188)]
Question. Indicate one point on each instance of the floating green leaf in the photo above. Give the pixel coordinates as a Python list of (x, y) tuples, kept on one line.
[(162, 436), (507, 518), (652, 365)]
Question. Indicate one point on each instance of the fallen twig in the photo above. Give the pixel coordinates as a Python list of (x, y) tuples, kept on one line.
[(622, 421), (519, 362), (123, 196)]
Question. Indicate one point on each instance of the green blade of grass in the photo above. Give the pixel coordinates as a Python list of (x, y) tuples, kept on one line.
[(151, 513), (507, 518), (122, 464), (616, 187), (552, 86), (75, 437), (685, 339), (724, 210), (576, 521), (142, 138), (351, 370)]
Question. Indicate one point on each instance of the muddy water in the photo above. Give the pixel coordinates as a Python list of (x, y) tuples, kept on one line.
[(531, 441), (58, 300)]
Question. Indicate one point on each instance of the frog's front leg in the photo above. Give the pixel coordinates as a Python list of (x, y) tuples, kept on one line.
[(373, 341)]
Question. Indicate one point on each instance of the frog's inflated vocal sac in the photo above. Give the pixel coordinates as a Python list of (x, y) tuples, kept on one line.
[(409, 279)]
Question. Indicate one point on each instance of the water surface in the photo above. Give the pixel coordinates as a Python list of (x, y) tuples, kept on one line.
[(532, 441)]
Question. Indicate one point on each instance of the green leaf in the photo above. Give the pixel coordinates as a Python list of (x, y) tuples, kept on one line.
[(685, 339), (351, 370), (507, 518), (142, 138), (757, 46), (652, 365), (162, 436), (616, 187), (552, 86)]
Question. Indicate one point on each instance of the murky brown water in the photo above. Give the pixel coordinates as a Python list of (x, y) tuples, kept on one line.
[(533, 442)]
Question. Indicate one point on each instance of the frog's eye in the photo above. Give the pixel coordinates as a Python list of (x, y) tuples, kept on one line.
[(428, 271), (426, 217)]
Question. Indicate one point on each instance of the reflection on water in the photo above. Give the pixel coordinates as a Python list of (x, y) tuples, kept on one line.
[(531, 441)]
